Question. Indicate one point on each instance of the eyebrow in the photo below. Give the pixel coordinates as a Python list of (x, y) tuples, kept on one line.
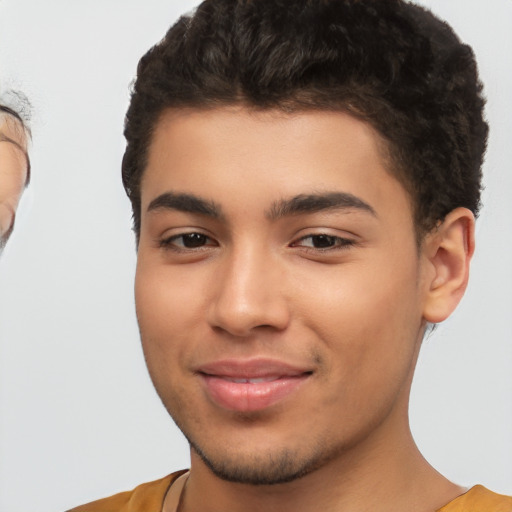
[(312, 203), (187, 203), (300, 204)]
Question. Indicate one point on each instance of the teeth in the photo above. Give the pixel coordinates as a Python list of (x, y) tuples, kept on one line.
[(253, 381)]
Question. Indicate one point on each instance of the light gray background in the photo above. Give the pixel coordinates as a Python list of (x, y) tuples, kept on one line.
[(78, 416)]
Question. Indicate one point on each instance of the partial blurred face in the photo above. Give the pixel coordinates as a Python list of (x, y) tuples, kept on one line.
[(13, 171), (279, 288)]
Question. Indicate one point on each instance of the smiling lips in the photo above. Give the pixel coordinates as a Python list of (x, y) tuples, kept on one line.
[(250, 385)]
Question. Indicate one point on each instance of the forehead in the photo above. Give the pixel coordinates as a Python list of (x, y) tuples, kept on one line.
[(260, 155)]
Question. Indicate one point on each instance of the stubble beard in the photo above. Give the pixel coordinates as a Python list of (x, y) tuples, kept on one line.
[(271, 469), (279, 466)]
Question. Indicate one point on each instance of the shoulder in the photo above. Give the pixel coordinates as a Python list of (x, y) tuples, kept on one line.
[(148, 497), (479, 499)]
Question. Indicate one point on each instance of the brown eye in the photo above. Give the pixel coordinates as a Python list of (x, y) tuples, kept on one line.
[(187, 241), (322, 241), (193, 240)]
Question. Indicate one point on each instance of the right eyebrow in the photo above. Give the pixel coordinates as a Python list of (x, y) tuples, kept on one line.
[(187, 203)]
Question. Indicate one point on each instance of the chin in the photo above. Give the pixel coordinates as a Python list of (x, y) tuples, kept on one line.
[(265, 468)]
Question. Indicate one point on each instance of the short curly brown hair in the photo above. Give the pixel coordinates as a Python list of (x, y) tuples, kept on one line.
[(388, 62)]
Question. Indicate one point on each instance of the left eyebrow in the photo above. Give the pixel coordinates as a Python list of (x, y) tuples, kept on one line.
[(312, 203)]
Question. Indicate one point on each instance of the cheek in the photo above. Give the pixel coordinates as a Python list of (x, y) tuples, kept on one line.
[(167, 313), (167, 320), (366, 316), (167, 299)]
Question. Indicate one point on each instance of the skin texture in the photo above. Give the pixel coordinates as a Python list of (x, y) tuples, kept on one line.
[(13, 171), (351, 315)]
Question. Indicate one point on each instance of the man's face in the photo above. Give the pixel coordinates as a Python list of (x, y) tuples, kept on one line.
[(279, 288), (13, 170)]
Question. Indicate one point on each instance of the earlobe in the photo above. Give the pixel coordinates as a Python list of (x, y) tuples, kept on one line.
[(448, 250)]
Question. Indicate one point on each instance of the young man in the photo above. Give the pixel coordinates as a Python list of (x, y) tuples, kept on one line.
[(14, 168), (304, 177)]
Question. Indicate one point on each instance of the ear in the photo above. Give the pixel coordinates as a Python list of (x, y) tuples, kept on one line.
[(448, 250)]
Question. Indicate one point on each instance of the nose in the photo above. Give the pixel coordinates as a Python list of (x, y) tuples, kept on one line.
[(248, 294)]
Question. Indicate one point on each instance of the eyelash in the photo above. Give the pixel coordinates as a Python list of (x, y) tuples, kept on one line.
[(339, 243)]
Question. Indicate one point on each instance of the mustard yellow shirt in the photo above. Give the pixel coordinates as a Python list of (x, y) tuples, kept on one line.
[(150, 498)]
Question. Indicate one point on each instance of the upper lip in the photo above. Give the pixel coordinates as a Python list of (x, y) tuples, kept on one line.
[(252, 368)]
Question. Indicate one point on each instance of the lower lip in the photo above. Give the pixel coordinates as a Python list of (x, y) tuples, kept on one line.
[(251, 396)]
